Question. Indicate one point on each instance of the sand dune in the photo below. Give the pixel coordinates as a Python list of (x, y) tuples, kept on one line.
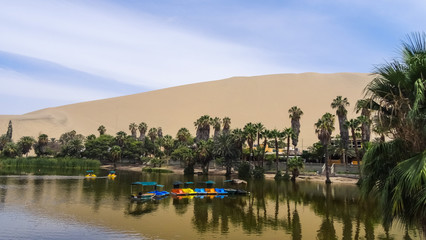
[(263, 99)]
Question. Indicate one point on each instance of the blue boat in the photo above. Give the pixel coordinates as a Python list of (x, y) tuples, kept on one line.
[(149, 195)]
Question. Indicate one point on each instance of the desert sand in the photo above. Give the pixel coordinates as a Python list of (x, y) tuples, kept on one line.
[(263, 99)]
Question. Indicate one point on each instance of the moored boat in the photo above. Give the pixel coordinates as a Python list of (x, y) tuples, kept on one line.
[(112, 175), (90, 174), (236, 191), (149, 195)]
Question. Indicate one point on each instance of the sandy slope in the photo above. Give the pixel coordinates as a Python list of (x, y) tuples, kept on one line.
[(263, 99)]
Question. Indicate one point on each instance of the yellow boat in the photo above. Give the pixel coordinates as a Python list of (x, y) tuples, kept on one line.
[(90, 174), (112, 175)]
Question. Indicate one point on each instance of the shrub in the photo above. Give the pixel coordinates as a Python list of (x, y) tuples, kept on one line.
[(259, 172), (244, 170)]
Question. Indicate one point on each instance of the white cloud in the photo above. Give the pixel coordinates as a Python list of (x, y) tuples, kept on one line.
[(116, 43), (19, 85)]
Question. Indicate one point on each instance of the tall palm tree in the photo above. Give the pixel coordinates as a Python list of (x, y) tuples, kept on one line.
[(153, 134), (41, 146), (353, 124), (265, 135), (226, 121), (133, 127), (365, 106), (216, 126), (240, 138), (288, 133), (160, 132), (143, 127), (202, 125), (340, 105), (275, 135), (251, 133), (295, 113), (101, 130), (183, 135), (25, 144), (259, 129), (121, 136), (324, 127), (9, 130)]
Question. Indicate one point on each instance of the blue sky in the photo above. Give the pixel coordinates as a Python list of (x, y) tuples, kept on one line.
[(55, 52)]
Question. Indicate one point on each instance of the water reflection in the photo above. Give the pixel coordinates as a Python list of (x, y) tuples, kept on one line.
[(298, 211)]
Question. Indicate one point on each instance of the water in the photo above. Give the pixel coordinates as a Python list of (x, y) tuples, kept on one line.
[(71, 207)]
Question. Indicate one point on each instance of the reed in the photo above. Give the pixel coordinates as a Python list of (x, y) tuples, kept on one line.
[(67, 162), (156, 170)]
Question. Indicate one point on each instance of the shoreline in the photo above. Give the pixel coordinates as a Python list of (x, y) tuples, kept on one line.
[(340, 179)]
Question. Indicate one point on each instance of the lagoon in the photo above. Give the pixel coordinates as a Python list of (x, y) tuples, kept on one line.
[(65, 205)]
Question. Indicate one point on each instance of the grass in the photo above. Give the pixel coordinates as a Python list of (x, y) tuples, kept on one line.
[(46, 162), (156, 170)]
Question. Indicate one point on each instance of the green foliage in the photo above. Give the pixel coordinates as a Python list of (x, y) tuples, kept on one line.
[(244, 170), (75, 163), (25, 144), (396, 171), (10, 150), (156, 170), (258, 172), (98, 148)]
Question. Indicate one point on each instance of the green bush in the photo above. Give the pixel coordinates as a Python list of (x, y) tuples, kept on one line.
[(43, 162), (259, 172), (156, 170), (244, 170)]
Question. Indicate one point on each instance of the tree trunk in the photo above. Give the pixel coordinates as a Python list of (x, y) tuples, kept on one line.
[(228, 167), (344, 133), (276, 153), (327, 168), (264, 150), (288, 154), (356, 151)]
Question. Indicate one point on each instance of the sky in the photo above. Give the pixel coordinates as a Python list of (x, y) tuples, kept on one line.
[(57, 52)]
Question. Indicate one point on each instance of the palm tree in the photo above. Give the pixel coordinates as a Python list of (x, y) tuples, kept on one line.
[(133, 127), (216, 126), (226, 121), (353, 124), (240, 138), (183, 135), (224, 146), (203, 154), (121, 136), (275, 135), (9, 131), (101, 130), (251, 133), (365, 106), (259, 129), (396, 169), (160, 132), (43, 139), (340, 105), (25, 144), (153, 134), (288, 133), (265, 134), (295, 113), (142, 130), (115, 154), (202, 125), (324, 127)]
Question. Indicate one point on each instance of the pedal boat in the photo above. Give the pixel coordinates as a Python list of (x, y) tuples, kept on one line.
[(154, 194), (90, 174), (112, 175)]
